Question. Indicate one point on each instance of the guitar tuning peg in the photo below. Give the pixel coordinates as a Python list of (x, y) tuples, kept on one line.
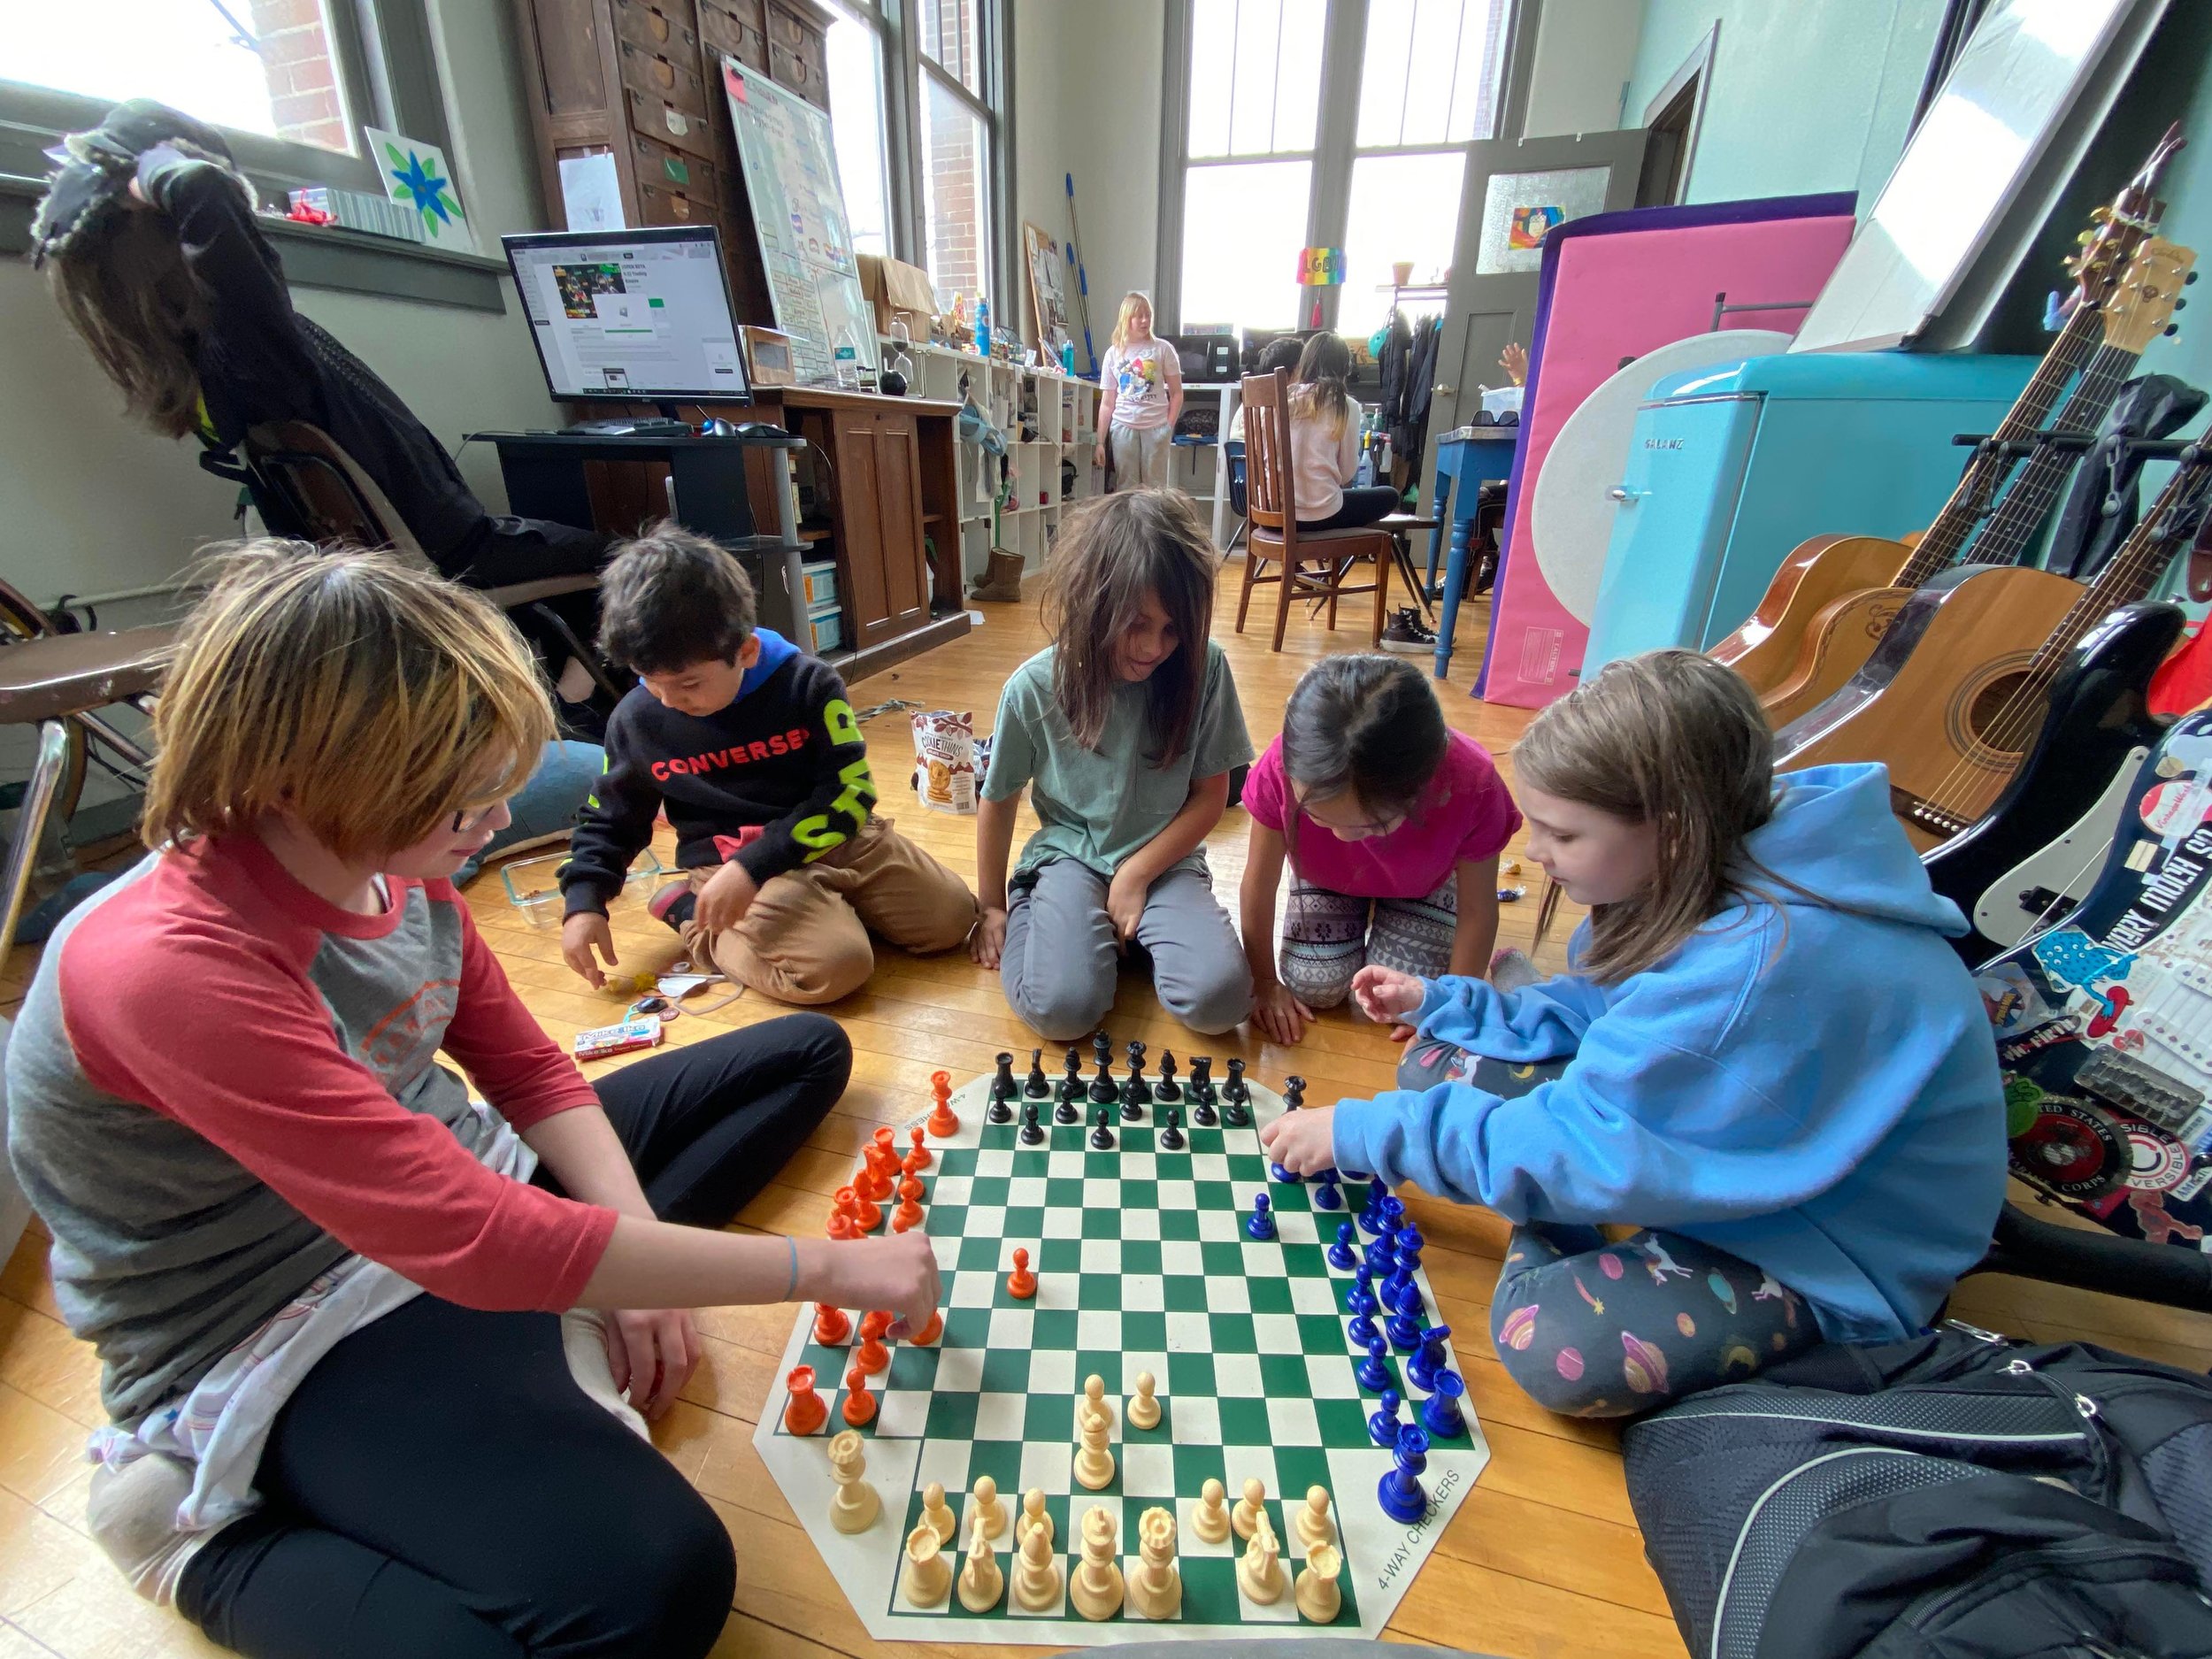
[(2181, 305), (2170, 330), (2190, 278), (2100, 215), (2086, 237)]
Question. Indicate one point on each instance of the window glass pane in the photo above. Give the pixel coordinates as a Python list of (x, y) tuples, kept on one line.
[(1213, 44), (956, 192), (1243, 224), (1404, 208), (855, 89), (1298, 73), (950, 39), (1254, 76), (1252, 114), (266, 67), (1431, 71)]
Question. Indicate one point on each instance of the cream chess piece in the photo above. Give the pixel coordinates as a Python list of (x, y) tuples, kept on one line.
[(1155, 1588), (985, 1505), (1037, 1575), (1143, 1411), (1033, 1513), (1210, 1520), (927, 1578), (856, 1506), (1260, 1573), (981, 1583), (937, 1512), (1093, 1402), (1312, 1523), (1248, 1512), (1316, 1593), (1096, 1588), (1095, 1463)]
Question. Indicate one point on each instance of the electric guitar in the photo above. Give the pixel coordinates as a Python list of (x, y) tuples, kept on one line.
[(1835, 595), (1959, 686)]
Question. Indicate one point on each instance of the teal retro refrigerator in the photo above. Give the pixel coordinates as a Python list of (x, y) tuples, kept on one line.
[(1731, 467)]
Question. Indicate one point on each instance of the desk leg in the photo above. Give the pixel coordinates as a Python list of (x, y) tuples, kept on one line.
[(1228, 398), (1440, 510), (1454, 587)]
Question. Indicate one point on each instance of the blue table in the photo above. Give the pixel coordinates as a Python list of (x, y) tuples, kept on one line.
[(1470, 456)]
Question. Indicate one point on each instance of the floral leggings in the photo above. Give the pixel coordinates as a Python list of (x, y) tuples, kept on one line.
[(1590, 1328)]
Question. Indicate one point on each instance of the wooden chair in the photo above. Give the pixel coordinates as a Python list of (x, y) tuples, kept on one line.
[(1270, 507)]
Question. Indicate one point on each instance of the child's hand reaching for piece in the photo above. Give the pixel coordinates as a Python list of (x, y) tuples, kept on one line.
[(729, 893), (1302, 1142), (1387, 996), (581, 933)]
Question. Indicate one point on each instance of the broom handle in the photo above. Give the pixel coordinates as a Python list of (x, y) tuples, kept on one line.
[(1082, 277)]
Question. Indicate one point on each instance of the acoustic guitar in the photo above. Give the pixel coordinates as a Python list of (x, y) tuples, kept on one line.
[(1956, 692), (1835, 595)]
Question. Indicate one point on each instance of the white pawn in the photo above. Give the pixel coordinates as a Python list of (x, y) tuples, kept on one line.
[(1312, 1522), (937, 1512), (1033, 1513), (981, 1583), (1210, 1520), (1144, 1409), (1097, 1589), (1155, 1588), (1095, 1463), (1249, 1513), (1037, 1577), (1316, 1593), (987, 1508), (927, 1579), (856, 1506), (1260, 1571)]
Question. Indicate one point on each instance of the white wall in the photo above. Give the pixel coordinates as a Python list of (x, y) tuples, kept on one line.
[(1586, 54)]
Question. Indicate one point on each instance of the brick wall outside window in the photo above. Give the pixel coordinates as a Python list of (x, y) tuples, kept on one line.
[(301, 74)]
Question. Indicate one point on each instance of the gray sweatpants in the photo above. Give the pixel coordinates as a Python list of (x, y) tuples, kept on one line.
[(1140, 457), (1061, 956)]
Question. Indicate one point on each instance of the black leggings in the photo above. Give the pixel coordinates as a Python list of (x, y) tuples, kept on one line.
[(438, 1485), (1363, 503)]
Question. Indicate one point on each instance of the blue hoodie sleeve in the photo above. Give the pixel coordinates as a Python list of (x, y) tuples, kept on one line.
[(1539, 1022)]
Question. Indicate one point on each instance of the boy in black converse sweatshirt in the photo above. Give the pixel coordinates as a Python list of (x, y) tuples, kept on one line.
[(753, 749)]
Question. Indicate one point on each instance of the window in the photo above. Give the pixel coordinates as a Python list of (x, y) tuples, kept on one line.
[(856, 123), (959, 136)]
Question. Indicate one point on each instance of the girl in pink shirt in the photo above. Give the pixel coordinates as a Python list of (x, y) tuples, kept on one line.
[(1324, 443), (1392, 823)]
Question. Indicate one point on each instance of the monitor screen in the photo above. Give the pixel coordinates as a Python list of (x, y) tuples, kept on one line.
[(631, 314)]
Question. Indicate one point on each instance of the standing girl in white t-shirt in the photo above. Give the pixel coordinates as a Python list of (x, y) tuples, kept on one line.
[(1142, 378)]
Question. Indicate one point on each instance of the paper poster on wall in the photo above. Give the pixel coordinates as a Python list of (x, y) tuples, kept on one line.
[(591, 194), (1520, 209), (416, 176), (799, 212)]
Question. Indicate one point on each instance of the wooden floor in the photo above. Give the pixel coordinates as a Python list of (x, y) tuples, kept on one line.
[(1543, 1557)]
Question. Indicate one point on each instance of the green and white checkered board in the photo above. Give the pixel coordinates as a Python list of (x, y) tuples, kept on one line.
[(1142, 1263)]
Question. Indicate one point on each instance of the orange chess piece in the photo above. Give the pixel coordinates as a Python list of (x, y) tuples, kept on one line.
[(909, 1213), (860, 1405), (872, 1181), (1021, 1282), (868, 1215), (844, 1222), (921, 1157), (887, 1147), (831, 1327), (928, 1335), (807, 1411), (872, 1357), (943, 1120)]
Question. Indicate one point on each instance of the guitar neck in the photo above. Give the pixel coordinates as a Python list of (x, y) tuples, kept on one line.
[(1987, 469), (2135, 569), (2022, 511)]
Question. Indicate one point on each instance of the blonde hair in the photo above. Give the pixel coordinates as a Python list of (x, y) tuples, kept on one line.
[(1674, 739), (366, 699), (1129, 303)]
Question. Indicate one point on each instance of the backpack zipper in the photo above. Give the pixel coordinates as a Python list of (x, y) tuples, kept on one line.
[(2084, 1407)]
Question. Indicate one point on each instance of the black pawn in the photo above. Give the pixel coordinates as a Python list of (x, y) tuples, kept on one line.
[(1039, 1087), (1236, 1110), (1167, 1088), (1003, 1090), (1101, 1132), (1132, 1108), (1172, 1139), (1032, 1132)]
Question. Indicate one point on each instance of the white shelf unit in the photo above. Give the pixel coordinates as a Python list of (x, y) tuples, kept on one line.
[(1061, 410)]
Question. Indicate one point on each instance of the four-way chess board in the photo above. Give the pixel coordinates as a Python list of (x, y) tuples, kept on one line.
[(1143, 1264)]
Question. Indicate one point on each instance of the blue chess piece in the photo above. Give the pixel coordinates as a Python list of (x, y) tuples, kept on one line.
[(1354, 1178), (1400, 1491), (1361, 1297), (1431, 1358), (1409, 1241), (1441, 1414), (1379, 1258), (1382, 1422), (1392, 1211), (1401, 1294), (1374, 1372), (1404, 1333), (1340, 1255), (1262, 1224), (1370, 1217), (1325, 1195)]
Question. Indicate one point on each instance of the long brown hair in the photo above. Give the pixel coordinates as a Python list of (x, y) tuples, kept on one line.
[(1112, 553), (123, 286), (1674, 739), (1324, 388)]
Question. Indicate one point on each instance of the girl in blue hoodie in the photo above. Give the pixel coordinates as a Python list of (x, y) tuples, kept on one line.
[(1765, 1055)]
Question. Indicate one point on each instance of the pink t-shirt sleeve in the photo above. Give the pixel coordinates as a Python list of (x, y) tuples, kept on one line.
[(1490, 817), (1266, 792)]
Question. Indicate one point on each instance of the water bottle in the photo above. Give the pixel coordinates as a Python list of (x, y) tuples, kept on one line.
[(983, 325), (1067, 357), (847, 360)]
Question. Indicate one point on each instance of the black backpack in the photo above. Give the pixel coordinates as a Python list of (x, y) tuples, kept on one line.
[(1959, 1496)]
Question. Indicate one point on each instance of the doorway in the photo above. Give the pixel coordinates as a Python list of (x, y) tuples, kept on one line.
[(1672, 118)]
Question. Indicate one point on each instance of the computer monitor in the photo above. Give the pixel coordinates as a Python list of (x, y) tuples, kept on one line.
[(639, 315)]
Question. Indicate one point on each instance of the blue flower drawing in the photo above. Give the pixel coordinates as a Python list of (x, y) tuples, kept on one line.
[(417, 184)]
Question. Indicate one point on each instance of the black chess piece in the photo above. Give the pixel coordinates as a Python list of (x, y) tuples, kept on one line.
[(1167, 1088), (1032, 1132), (1004, 1090), (1134, 1088), (1171, 1137), (1132, 1105), (1103, 1092), (1236, 1099), (1038, 1086), (1072, 1085), (1201, 1087), (1294, 1093), (1102, 1132)]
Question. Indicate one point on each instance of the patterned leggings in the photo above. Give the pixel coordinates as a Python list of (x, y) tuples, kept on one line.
[(1590, 1328), (1327, 938)]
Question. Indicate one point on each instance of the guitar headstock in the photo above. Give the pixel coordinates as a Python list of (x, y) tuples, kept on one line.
[(2119, 229), (2144, 300)]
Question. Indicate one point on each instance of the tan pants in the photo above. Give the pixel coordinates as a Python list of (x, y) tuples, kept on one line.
[(805, 939)]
